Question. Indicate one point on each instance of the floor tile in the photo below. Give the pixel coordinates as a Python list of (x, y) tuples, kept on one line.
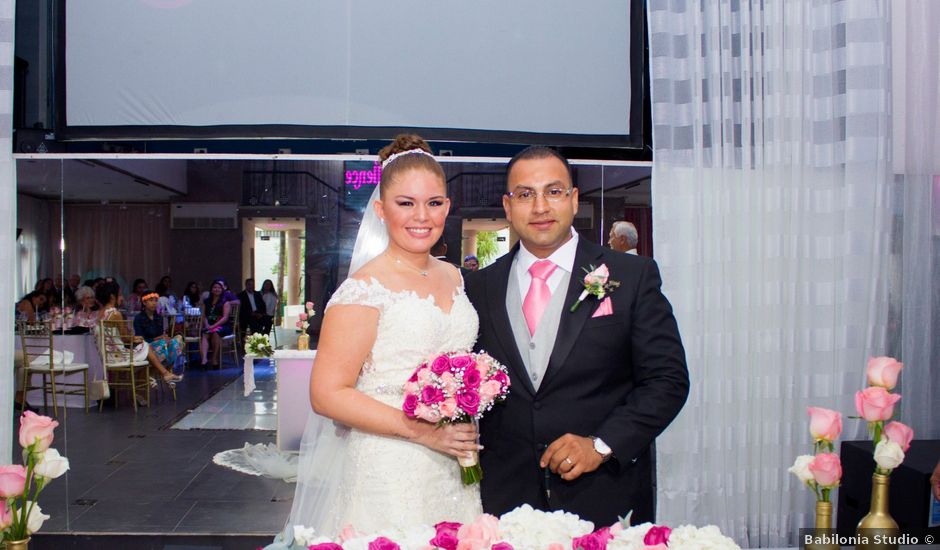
[(235, 517)]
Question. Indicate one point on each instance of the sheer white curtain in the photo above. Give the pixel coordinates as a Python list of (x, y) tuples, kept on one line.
[(38, 244), (770, 191), (8, 249), (126, 241)]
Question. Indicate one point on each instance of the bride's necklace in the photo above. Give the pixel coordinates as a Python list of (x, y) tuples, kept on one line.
[(398, 261)]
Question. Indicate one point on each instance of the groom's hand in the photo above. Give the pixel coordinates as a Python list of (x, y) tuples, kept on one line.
[(570, 456)]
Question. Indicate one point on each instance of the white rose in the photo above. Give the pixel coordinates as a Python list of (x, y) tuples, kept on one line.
[(888, 454), (51, 464), (36, 518), (800, 468), (303, 536), (630, 538)]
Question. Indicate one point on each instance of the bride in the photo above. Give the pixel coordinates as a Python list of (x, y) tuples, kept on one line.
[(363, 461)]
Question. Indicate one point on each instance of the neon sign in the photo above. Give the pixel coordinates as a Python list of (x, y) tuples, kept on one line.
[(358, 178)]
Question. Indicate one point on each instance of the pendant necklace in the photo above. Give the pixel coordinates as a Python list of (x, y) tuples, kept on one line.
[(421, 272)]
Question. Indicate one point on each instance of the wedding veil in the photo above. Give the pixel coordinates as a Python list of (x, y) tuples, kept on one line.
[(323, 446)]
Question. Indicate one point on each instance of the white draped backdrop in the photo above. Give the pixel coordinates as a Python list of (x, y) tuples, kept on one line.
[(788, 247), (8, 248)]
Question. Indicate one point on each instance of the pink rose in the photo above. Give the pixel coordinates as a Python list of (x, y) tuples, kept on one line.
[(556, 546), (826, 469), (598, 276), (383, 543), (824, 424), (450, 383), (489, 391), (658, 534), (424, 412), (482, 533), (36, 429), (483, 368), (440, 364), (431, 395), (411, 387), (299, 324), (884, 371), (469, 402), (594, 541), (462, 362), (309, 305), (410, 404), (449, 408), (502, 546), (325, 546), (875, 403), (502, 378), (425, 376), (446, 535), (471, 378), (414, 375), (900, 434), (12, 480), (6, 516), (348, 533), (302, 316)]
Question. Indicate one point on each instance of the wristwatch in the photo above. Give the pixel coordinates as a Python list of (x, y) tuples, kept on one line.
[(602, 449)]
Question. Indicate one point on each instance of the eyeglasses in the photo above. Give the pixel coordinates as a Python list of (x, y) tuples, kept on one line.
[(525, 195)]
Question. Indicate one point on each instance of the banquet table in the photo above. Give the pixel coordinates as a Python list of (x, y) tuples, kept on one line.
[(85, 350)]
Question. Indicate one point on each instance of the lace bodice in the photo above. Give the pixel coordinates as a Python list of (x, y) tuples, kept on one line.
[(411, 328)]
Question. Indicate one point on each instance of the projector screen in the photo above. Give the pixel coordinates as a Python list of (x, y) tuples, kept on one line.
[(494, 69)]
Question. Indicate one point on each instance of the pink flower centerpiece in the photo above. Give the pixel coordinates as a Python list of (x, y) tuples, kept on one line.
[(875, 404), (822, 470), (456, 387), (303, 320), (20, 515)]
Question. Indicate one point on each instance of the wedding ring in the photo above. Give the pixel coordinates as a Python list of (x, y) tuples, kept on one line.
[(568, 460)]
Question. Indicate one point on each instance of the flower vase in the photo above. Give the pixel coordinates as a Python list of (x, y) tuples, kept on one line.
[(878, 521), (303, 342), (823, 531), (17, 544)]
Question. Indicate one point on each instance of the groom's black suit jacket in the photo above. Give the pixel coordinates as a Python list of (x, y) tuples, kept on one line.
[(620, 377)]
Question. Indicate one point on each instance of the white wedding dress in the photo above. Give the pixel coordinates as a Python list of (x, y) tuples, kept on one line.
[(387, 483)]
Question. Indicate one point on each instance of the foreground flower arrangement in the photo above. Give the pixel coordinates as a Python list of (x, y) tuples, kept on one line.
[(523, 529), (257, 344), (20, 514)]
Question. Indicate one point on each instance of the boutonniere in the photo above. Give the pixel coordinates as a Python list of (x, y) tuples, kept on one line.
[(596, 282)]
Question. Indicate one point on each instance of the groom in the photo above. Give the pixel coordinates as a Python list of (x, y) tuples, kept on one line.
[(591, 389)]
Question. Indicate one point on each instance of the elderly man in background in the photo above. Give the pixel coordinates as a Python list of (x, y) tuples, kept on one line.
[(623, 237)]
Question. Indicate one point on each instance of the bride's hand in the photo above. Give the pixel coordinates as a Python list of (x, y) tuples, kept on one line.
[(457, 440)]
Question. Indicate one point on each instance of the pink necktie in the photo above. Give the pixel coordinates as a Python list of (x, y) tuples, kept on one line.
[(536, 300)]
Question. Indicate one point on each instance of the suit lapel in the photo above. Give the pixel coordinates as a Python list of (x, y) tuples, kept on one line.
[(570, 324), (497, 284)]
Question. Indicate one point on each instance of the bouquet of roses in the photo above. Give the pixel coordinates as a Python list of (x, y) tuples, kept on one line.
[(456, 387), (258, 345), (20, 515)]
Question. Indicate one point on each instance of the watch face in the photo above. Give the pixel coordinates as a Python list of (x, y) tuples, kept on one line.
[(601, 447)]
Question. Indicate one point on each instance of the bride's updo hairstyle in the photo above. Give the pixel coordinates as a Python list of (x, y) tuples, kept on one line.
[(403, 162)]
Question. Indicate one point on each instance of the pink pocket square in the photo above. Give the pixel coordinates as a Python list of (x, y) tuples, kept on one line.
[(604, 309)]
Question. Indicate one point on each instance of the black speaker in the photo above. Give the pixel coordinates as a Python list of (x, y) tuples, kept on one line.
[(909, 494), (36, 140)]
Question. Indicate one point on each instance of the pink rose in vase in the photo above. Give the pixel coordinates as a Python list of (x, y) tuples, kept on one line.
[(824, 424), (884, 372), (900, 434), (36, 429), (875, 404), (6, 516), (12, 480), (826, 469)]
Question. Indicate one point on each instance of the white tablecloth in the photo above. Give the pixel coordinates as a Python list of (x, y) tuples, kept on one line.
[(85, 350)]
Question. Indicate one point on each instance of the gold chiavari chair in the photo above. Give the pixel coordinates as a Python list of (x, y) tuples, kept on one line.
[(192, 334), (116, 346), (40, 357)]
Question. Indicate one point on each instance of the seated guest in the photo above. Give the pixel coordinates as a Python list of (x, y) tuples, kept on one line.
[(271, 299), (149, 324), (192, 295), (29, 307), (61, 289), (109, 294), (167, 303), (86, 308), (137, 292), (216, 323), (252, 310)]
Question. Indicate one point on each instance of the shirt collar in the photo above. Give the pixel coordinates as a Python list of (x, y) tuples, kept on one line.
[(563, 257)]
